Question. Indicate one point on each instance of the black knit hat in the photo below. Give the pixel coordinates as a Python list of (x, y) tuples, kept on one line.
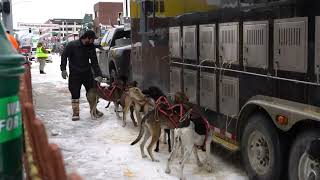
[(89, 34)]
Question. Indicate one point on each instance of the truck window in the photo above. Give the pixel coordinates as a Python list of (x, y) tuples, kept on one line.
[(104, 39), (109, 37), (119, 34)]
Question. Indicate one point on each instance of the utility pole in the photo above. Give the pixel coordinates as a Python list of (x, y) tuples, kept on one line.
[(67, 30), (6, 11), (63, 29)]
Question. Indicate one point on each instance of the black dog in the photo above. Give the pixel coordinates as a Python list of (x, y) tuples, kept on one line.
[(155, 93)]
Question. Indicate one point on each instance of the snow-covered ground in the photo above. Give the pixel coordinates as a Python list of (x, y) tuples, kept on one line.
[(100, 149)]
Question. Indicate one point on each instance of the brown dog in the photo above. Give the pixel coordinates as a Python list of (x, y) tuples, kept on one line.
[(153, 122), (94, 95), (135, 99)]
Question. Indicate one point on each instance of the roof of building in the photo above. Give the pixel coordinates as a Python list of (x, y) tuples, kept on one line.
[(69, 21)]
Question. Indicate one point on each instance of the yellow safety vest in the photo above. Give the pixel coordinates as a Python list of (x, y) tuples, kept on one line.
[(40, 53)]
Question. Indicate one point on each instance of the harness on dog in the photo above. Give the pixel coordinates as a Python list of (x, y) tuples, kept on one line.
[(107, 92), (175, 113)]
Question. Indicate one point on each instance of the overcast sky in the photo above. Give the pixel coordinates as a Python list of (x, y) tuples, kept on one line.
[(38, 11)]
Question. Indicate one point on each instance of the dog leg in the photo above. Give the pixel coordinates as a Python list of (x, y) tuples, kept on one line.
[(137, 109), (124, 115), (92, 100), (116, 106), (209, 157), (167, 131), (93, 113), (155, 138), (94, 108), (172, 137), (146, 137), (165, 136), (195, 151), (132, 116), (186, 156), (173, 153), (157, 147)]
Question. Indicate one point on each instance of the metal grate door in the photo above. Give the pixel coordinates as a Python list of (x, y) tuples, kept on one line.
[(255, 44), (208, 90), (207, 42), (291, 44), (174, 42), (229, 42), (190, 42)]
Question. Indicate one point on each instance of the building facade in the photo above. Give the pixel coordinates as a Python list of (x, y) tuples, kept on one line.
[(66, 27), (106, 14)]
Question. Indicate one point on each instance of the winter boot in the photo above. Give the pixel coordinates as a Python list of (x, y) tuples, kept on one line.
[(42, 72), (75, 109)]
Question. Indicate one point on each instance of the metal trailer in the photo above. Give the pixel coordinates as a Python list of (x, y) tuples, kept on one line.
[(252, 65)]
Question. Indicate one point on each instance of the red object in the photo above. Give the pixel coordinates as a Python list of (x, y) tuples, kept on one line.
[(13, 41), (107, 92), (163, 106), (25, 50)]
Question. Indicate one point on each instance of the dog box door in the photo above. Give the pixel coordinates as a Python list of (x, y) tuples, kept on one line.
[(175, 42), (208, 91), (229, 96), (255, 44), (190, 42), (175, 80), (207, 42), (291, 44), (190, 84), (229, 42)]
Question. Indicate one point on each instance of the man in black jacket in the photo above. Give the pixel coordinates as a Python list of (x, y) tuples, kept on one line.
[(79, 52)]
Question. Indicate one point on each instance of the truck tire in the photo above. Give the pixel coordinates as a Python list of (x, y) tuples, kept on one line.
[(300, 166), (113, 75), (261, 149)]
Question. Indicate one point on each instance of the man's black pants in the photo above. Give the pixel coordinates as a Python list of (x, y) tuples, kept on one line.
[(78, 79)]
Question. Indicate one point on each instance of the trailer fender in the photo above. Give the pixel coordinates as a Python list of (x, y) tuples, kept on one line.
[(295, 112)]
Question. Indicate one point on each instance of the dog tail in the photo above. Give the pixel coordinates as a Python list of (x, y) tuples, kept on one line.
[(141, 132)]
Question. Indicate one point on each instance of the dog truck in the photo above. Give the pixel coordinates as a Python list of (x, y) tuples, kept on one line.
[(253, 67), (114, 53)]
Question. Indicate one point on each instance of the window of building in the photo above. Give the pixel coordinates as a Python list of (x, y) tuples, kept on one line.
[(96, 14), (156, 6), (161, 5)]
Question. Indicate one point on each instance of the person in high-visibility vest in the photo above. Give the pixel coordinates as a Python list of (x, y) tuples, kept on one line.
[(42, 56)]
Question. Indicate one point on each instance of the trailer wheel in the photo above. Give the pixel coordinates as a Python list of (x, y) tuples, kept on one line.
[(301, 167), (261, 149)]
